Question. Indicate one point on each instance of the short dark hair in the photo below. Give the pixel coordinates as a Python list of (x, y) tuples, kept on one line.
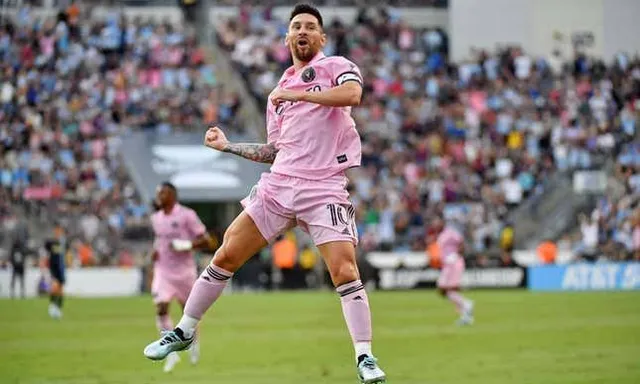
[(170, 185), (306, 8)]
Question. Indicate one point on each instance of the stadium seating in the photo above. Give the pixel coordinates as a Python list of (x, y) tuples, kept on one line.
[(472, 139), (70, 85)]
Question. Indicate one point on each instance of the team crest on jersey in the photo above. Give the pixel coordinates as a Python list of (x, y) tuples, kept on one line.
[(308, 75)]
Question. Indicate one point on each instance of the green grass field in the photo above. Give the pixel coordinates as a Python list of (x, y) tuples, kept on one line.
[(288, 338)]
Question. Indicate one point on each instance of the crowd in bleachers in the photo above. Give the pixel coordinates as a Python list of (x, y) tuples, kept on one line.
[(70, 85), (340, 3), (470, 140), (612, 230), (441, 139)]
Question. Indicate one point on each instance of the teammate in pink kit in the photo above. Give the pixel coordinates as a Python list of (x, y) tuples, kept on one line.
[(311, 141), (177, 230), (450, 242)]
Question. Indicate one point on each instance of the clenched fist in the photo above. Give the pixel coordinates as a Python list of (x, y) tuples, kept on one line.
[(215, 138)]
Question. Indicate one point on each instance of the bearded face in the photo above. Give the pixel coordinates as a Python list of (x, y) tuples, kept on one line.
[(305, 37)]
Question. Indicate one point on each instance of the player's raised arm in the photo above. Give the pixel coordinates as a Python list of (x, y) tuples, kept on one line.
[(345, 95), (261, 153)]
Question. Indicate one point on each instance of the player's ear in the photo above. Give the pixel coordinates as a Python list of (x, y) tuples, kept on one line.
[(286, 39), (323, 40)]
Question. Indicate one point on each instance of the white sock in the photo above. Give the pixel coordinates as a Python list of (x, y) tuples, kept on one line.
[(188, 325), (362, 348), (468, 304)]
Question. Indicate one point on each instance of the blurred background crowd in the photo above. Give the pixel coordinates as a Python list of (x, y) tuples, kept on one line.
[(467, 141), (470, 139)]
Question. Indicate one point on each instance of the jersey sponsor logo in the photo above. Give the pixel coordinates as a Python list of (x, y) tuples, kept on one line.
[(308, 75), (280, 107), (348, 76), (342, 159)]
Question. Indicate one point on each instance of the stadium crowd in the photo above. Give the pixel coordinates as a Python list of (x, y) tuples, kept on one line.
[(70, 86), (466, 141), (469, 140), (612, 230)]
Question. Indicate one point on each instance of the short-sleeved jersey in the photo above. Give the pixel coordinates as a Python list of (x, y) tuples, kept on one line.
[(314, 141), (181, 223), (449, 242)]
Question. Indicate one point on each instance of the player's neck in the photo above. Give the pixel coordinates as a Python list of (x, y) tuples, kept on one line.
[(297, 64), (168, 208)]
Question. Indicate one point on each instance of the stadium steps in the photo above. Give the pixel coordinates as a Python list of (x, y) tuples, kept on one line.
[(555, 211), (250, 115), (545, 214)]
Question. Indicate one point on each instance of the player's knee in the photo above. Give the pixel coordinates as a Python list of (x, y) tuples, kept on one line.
[(224, 257), (344, 272), (442, 292)]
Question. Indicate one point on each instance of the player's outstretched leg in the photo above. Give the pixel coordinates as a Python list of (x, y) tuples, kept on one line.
[(463, 305), (241, 241), (341, 261), (56, 298)]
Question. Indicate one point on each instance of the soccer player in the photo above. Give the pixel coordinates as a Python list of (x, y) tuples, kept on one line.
[(18, 256), (311, 141), (55, 249), (451, 242), (177, 230)]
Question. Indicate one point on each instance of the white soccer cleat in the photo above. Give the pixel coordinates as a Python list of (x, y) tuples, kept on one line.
[(55, 312), (170, 341), (464, 321), (194, 352), (170, 363), (466, 318), (369, 372)]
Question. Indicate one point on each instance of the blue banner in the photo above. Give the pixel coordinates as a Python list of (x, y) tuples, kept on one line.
[(585, 277)]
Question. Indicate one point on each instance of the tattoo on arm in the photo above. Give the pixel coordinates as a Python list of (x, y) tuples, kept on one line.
[(261, 153)]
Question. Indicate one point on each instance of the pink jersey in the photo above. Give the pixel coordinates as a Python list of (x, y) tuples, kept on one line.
[(315, 142), (449, 242), (182, 223)]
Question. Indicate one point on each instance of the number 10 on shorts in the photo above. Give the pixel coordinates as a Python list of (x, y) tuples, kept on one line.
[(343, 215)]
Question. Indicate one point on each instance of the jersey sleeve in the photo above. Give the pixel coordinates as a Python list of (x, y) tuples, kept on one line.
[(194, 225), (343, 71)]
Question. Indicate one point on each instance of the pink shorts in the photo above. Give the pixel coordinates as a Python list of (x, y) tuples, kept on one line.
[(451, 273), (320, 207), (164, 289)]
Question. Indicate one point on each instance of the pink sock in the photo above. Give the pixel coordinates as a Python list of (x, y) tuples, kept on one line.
[(164, 323), (355, 307), (206, 291), (457, 299)]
